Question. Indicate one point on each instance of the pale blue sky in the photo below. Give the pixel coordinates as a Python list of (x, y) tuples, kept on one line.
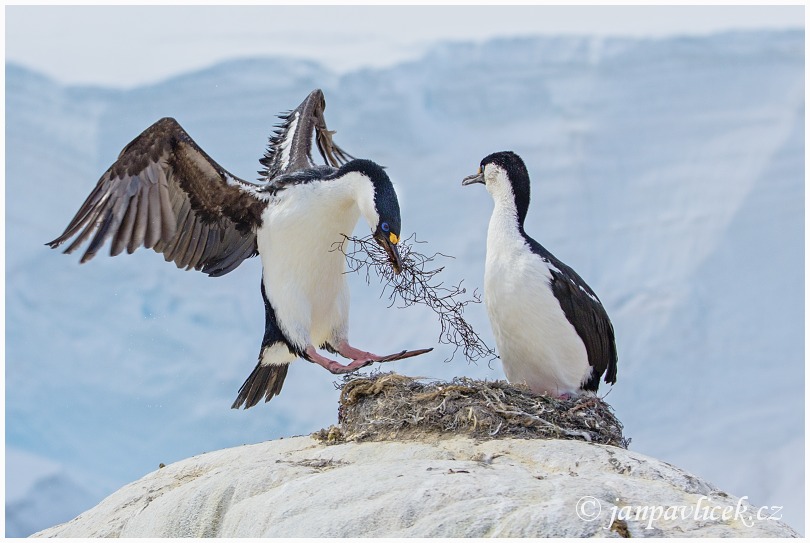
[(123, 46)]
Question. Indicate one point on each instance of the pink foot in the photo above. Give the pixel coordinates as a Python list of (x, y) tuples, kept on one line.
[(347, 351), (334, 366)]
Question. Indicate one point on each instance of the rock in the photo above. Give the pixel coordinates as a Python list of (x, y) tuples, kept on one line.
[(450, 486)]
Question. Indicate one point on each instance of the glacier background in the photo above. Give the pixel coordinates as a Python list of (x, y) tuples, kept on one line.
[(668, 172)]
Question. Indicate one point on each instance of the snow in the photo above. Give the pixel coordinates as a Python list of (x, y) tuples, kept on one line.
[(669, 173), (34, 486), (447, 487)]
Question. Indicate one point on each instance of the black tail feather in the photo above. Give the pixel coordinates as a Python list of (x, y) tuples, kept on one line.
[(263, 381)]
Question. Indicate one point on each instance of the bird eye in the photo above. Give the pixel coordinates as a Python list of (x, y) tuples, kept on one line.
[(384, 227)]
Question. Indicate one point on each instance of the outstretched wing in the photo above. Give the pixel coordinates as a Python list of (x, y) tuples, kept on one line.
[(167, 194), (290, 147)]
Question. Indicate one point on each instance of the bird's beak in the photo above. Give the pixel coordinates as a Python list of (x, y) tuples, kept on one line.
[(393, 254), (388, 242), (475, 178)]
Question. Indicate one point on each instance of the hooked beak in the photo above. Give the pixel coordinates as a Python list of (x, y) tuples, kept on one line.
[(390, 248), (474, 178)]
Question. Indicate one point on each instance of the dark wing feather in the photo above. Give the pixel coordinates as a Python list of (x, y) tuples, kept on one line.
[(290, 147), (591, 322), (585, 312), (166, 193)]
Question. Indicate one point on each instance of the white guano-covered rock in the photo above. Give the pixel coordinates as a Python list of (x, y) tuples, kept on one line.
[(449, 487)]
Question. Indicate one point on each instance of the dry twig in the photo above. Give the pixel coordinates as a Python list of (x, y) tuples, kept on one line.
[(417, 284)]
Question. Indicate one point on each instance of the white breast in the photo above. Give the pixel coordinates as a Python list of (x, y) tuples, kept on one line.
[(303, 273), (537, 344)]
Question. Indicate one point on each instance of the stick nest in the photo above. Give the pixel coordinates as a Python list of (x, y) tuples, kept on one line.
[(417, 284), (388, 406)]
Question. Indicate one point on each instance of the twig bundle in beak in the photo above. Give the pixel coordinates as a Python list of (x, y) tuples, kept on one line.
[(416, 284)]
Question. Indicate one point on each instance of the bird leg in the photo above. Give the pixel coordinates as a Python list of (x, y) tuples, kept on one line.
[(334, 366)]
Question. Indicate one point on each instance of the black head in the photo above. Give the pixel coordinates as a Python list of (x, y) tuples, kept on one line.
[(383, 217), (504, 168)]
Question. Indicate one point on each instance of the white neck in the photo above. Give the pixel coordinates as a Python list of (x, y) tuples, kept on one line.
[(500, 189), (363, 193), (503, 225), (503, 233), (349, 190)]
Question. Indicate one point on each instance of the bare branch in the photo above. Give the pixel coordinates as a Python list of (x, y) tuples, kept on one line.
[(417, 284)]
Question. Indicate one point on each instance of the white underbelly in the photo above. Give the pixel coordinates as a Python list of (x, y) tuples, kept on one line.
[(537, 344), (303, 273)]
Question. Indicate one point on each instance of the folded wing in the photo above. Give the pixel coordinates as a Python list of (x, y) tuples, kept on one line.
[(585, 312)]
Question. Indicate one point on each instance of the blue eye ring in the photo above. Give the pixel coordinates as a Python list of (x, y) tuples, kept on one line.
[(385, 227)]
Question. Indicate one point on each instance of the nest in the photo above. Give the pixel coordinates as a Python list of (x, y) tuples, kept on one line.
[(418, 284), (388, 406)]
